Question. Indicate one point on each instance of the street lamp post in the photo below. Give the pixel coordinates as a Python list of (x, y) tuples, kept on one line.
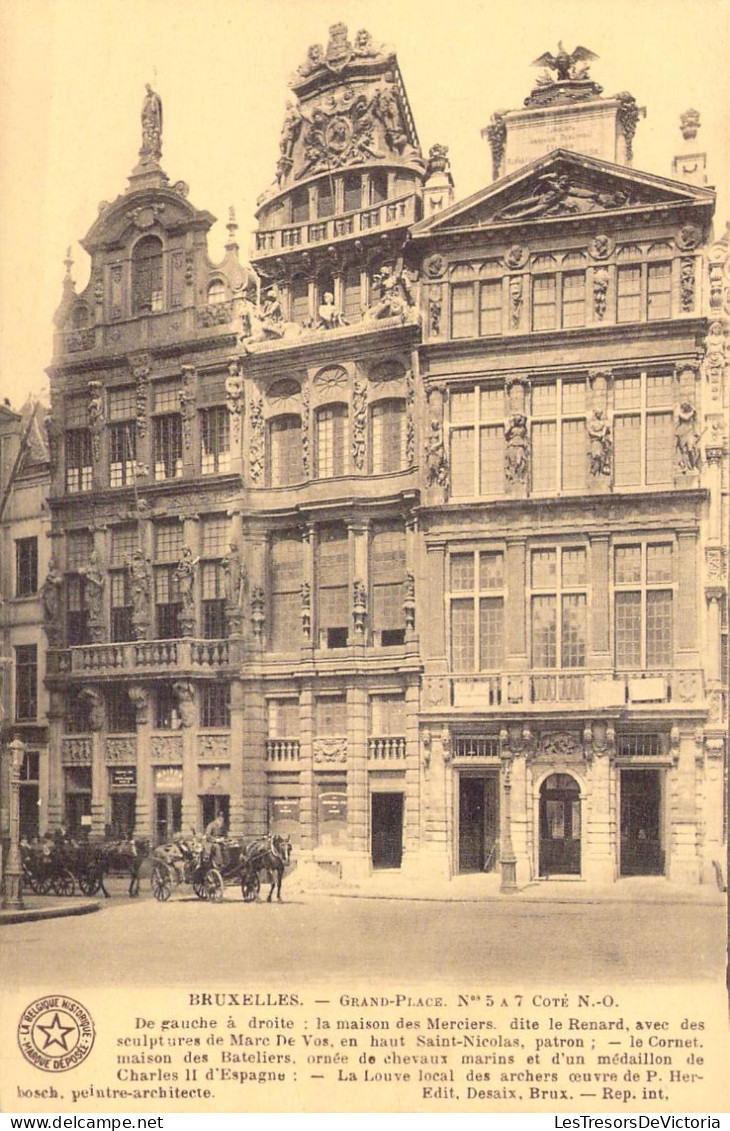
[(12, 898)]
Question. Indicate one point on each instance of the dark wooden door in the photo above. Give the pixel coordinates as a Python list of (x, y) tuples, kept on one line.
[(560, 826), (387, 830), (642, 853)]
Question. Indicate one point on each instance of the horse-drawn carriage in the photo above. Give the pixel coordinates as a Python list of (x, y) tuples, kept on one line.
[(207, 865), (62, 866)]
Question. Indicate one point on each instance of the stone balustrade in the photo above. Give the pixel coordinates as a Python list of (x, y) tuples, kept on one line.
[(387, 748), (400, 211), (583, 689), (282, 750), (140, 657)]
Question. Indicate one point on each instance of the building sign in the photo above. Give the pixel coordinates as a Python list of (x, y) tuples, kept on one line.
[(123, 777), (168, 779)]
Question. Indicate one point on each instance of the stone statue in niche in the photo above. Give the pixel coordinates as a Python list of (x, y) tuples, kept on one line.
[(517, 451), (686, 437), (185, 696), (94, 596), (235, 576), (434, 315), (51, 595), (600, 444), (140, 582), (600, 290), (437, 468), (515, 301), (185, 579)]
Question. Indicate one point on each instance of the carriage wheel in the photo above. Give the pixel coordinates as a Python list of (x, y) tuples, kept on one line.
[(214, 886), (31, 881), (63, 883), (250, 885), (198, 882), (161, 885), (42, 885), (90, 881)]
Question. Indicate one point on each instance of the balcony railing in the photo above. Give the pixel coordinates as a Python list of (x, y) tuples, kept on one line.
[(400, 211), (282, 750), (584, 689), (387, 749), (138, 656)]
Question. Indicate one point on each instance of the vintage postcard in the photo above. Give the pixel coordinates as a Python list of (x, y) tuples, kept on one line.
[(364, 563)]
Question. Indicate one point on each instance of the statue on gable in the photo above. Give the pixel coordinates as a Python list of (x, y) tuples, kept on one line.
[(573, 66), (329, 316), (387, 110), (396, 294), (151, 127)]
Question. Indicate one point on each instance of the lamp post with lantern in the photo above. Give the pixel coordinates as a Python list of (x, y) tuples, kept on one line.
[(12, 895)]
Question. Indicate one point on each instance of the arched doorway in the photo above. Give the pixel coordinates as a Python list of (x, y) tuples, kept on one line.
[(560, 826)]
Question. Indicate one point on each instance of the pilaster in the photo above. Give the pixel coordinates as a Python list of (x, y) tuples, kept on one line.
[(357, 862)]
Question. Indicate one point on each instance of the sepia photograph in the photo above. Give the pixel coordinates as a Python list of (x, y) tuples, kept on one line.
[(364, 536)]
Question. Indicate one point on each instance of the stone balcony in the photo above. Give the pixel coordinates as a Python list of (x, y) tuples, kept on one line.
[(145, 331), (580, 690), (294, 237), (280, 750), (387, 749), (141, 658)]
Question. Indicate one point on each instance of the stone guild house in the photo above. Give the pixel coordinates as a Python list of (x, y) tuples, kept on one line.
[(410, 541)]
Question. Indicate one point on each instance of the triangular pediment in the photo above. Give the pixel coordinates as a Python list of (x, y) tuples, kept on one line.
[(562, 185)]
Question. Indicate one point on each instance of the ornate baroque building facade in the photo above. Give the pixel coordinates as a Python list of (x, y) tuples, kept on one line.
[(411, 541)]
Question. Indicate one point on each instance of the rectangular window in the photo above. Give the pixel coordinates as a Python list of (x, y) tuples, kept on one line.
[(544, 455), (544, 309), (462, 310), (76, 621), (491, 462), (168, 541), (167, 447), (388, 575), (333, 610), (166, 396), (166, 712), (490, 308), (26, 682), (283, 718), (215, 453), (659, 291), (559, 458), (167, 603), (574, 299), (78, 548), (628, 294), (121, 605), (643, 430), (462, 461), (559, 617), (215, 705), (331, 715), (124, 543), (213, 593), (476, 599), (332, 441), (122, 403), (78, 460), (387, 715), (122, 454), (285, 451), (388, 444), (26, 567), (353, 193), (643, 605), (286, 591), (121, 715)]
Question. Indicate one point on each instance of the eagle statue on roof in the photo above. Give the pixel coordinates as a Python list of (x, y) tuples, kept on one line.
[(567, 65)]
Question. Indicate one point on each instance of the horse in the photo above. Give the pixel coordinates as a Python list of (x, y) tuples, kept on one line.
[(270, 854), (96, 859)]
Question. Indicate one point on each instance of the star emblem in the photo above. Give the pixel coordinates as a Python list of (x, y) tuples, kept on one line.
[(56, 1033)]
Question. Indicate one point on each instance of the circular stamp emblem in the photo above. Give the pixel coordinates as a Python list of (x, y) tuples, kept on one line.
[(56, 1033)]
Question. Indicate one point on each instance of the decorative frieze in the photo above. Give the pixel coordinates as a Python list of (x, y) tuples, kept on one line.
[(95, 417), (188, 404), (121, 749), (75, 751), (234, 402), (216, 747), (359, 422), (256, 440), (329, 750), (166, 748)]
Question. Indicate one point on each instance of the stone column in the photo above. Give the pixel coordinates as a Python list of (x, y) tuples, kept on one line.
[(190, 422), (436, 854), (307, 789), (681, 839), (361, 623), (192, 539), (713, 650), (144, 807), (409, 602), (521, 747), (515, 690), (188, 711), (713, 849), (357, 862), (599, 863), (412, 815), (309, 627), (56, 710), (140, 366), (99, 778), (237, 740), (688, 604), (430, 610), (235, 403), (507, 858)]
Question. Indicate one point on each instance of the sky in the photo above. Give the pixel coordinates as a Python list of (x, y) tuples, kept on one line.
[(72, 76)]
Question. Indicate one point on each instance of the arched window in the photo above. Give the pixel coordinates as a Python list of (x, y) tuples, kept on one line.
[(331, 432), (80, 316), (216, 292), (285, 450), (147, 276), (388, 420)]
